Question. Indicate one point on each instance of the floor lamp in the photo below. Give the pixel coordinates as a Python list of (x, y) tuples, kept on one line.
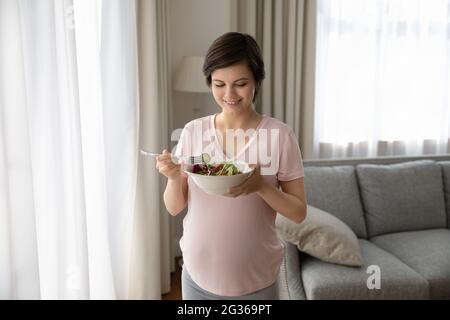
[(189, 78)]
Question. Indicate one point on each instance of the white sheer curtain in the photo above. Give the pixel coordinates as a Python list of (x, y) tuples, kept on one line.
[(382, 78), (69, 115)]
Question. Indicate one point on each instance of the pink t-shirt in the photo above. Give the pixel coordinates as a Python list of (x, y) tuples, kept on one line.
[(230, 245)]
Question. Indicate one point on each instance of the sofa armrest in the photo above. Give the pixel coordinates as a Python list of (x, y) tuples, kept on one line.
[(290, 279)]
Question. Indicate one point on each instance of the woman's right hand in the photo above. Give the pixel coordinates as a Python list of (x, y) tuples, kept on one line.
[(166, 167)]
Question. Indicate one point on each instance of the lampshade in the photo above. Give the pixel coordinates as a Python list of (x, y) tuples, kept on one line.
[(189, 76)]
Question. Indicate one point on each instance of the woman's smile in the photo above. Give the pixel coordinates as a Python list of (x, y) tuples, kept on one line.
[(232, 102)]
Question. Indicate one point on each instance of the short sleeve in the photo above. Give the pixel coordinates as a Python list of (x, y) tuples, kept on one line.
[(183, 147), (291, 163)]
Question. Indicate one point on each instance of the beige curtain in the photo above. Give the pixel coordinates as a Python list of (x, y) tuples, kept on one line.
[(285, 31), (151, 260)]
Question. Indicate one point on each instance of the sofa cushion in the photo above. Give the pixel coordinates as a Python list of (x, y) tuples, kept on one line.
[(445, 165), (323, 236), (402, 197), (335, 190), (427, 252), (323, 280)]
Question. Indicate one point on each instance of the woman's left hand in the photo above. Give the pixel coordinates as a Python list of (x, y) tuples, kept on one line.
[(254, 183)]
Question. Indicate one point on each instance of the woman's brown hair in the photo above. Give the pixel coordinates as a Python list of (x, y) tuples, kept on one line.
[(232, 48)]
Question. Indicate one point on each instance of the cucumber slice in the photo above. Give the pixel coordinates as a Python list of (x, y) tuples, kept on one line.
[(206, 158)]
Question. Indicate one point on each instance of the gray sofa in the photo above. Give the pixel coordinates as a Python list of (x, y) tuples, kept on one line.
[(399, 208)]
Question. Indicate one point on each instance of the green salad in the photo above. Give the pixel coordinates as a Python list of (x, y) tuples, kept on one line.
[(222, 169)]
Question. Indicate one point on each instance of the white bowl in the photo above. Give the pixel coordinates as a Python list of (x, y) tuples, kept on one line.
[(218, 185)]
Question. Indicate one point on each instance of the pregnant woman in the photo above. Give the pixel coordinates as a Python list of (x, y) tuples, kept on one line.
[(229, 244)]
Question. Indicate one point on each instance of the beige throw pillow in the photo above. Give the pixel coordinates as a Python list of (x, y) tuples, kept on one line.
[(323, 236)]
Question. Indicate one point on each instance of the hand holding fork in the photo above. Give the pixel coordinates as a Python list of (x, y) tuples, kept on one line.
[(170, 166)]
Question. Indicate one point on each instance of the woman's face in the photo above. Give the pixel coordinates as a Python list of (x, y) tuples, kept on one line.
[(233, 87)]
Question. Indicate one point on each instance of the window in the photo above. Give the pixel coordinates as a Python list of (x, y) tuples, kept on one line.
[(382, 78)]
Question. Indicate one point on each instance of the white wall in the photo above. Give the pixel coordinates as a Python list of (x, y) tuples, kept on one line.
[(193, 26)]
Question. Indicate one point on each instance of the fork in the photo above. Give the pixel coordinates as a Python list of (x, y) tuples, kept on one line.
[(203, 158)]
